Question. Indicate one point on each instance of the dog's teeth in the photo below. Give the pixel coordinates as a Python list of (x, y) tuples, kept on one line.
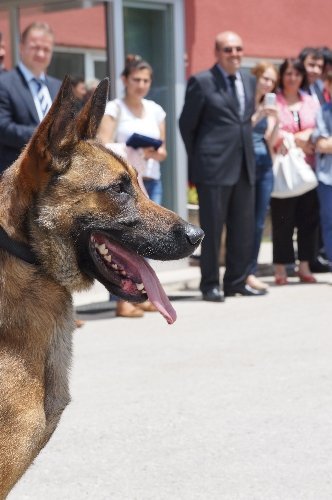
[(123, 273), (108, 258), (114, 266), (139, 286), (103, 250), (144, 291)]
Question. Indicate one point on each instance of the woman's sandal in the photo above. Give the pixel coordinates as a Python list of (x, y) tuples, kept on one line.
[(280, 280), (127, 310), (307, 278), (147, 306)]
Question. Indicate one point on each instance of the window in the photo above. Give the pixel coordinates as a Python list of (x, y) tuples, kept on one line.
[(66, 63), (78, 62)]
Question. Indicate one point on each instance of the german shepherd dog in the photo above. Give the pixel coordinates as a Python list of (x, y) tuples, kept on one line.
[(70, 212)]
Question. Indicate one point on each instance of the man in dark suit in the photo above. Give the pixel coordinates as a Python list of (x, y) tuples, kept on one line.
[(215, 125), (26, 93)]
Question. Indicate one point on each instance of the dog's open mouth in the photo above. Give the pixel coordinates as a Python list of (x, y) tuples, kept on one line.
[(128, 275)]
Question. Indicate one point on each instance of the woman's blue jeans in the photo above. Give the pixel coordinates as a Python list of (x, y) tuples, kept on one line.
[(325, 202), (264, 187), (154, 189)]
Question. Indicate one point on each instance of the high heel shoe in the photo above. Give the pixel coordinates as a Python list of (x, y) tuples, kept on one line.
[(280, 280), (307, 278)]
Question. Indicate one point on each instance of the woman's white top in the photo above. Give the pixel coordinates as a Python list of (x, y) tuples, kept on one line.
[(127, 124)]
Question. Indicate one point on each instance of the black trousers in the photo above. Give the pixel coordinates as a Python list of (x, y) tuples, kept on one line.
[(301, 212), (233, 206)]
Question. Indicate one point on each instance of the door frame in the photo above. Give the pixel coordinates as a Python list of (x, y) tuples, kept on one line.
[(115, 23)]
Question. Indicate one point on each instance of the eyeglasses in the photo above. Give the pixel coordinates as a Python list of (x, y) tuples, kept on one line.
[(229, 50)]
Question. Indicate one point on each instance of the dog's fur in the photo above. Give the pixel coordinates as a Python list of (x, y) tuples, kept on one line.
[(65, 190)]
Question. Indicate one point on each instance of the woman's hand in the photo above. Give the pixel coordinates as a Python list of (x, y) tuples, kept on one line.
[(264, 111), (271, 111), (258, 115), (308, 148), (159, 155), (324, 145), (302, 140), (281, 148)]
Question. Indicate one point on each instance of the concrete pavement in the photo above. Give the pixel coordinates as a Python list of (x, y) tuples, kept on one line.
[(232, 402)]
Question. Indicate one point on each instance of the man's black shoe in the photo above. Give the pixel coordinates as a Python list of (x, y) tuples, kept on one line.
[(244, 290), (214, 295), (320, 265)]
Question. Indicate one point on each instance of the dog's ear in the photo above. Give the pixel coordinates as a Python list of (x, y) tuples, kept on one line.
[(62, 128), (53, 141), (89, 119), (56, 135)]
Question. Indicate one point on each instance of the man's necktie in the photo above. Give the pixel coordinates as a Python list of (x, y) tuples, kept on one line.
[(41, 96), (232, 79)]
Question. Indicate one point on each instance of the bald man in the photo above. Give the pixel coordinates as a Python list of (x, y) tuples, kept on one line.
[(215, 125)]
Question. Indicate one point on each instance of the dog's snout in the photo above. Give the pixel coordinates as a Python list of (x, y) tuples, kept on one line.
[(194, 234)]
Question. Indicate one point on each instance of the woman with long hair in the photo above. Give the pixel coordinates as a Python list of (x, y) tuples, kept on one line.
[(297, 112), (135, 114), (265, 131)]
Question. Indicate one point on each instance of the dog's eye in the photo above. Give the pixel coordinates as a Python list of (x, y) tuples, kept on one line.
[(119, 188)]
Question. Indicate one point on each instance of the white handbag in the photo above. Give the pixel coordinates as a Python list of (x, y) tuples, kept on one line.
[(293, 176)]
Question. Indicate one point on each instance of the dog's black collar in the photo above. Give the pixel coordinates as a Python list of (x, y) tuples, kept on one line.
[(20, 250)]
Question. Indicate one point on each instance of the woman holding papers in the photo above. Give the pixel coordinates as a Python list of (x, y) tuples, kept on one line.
[(134, 114)]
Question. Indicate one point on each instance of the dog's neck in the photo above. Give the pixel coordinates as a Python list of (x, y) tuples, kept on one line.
[(20, 250)]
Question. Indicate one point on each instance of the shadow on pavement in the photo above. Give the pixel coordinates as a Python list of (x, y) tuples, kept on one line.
[(106, 309)]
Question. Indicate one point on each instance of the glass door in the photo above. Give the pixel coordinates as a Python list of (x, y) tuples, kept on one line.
[(148, 31)]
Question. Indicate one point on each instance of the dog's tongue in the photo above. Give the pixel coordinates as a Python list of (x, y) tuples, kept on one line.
[(141, 270), (156, 292)]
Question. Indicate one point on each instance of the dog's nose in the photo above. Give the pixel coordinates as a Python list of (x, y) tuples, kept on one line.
[(194, 234)]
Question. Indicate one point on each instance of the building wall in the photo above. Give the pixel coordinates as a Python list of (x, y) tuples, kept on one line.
[(74, 27), (273, 28), (82, 28)]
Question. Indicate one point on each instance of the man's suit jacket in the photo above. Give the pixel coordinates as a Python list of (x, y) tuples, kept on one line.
[(18, 114), (318, 89), (216, 138)]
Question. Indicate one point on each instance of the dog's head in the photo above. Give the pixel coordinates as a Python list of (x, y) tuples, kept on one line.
[(86, 215)]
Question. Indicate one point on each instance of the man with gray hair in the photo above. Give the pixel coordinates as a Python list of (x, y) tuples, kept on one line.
[(215, 125), (26, 92)]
